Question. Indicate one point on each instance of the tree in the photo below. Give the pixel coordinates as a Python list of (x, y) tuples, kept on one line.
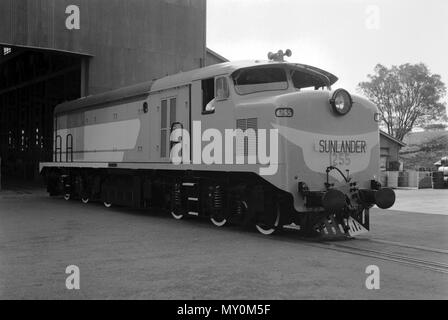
[(407, 96), (436, 127), (435, 144)]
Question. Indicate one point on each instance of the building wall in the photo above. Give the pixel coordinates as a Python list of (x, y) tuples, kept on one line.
[(119, 43), (389, 152), (129, 41)]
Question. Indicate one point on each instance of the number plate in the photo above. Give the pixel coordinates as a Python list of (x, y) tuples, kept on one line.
[(340, 159)]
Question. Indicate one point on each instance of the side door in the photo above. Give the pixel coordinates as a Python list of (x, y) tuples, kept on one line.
[(173, 113), (212, 107)]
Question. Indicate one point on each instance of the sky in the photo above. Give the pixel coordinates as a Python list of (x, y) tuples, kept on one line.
[(345, 37)]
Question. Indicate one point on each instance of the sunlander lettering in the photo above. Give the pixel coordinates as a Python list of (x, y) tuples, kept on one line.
[(347, 146)]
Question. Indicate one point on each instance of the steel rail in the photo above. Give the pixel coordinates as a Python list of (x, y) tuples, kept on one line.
[(419, 263)]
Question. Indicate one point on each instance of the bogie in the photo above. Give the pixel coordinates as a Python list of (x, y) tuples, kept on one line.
[(269, 228), (177, 215), (223, 199)]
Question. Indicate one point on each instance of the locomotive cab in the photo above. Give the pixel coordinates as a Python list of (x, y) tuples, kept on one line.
[(328, 144)]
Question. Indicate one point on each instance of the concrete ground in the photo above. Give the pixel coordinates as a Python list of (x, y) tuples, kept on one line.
[(422, 201), (129, 254)]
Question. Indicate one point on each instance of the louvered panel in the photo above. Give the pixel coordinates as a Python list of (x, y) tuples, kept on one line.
[(251, 143), (252, 123), (241, 124), (249, 147)]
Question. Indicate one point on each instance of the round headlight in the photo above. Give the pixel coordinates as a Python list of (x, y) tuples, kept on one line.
[(341, 102)]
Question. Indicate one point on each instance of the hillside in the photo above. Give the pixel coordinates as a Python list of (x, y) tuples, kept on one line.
[(424, 149)]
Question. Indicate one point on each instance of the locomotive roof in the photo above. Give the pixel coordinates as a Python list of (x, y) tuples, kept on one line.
[(184, 78), (137, 90), (180, 79)]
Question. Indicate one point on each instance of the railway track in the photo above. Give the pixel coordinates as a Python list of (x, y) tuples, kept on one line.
[(405, 245), (345, 247), (388, 256)]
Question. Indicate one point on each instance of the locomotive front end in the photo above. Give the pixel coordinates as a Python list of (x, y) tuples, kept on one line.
[(331, 142)]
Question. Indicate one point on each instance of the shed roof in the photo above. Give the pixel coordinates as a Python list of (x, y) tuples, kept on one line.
[(216, 55), (388, 136)]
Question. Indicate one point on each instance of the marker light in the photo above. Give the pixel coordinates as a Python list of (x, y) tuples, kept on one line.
[(377, 117), (284, 113), (341, 102)]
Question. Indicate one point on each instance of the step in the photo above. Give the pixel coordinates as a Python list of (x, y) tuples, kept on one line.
[(189, 184)]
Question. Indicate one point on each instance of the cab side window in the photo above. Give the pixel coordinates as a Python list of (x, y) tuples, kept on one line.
[(208, 95), (222, 89)]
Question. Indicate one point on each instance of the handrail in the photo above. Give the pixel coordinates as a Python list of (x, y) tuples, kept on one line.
[(69, 148), (58, 148), (173, 125)]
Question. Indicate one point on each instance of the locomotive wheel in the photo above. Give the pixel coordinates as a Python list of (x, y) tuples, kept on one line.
[(266, 229), (177, 216), (107, 204), (218, 221), (67, 197), (85, 200)]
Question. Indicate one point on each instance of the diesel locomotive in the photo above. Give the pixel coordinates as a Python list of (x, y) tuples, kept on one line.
[(262, 143)]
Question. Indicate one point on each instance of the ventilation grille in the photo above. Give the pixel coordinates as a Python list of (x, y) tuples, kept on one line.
[(249, 146)]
